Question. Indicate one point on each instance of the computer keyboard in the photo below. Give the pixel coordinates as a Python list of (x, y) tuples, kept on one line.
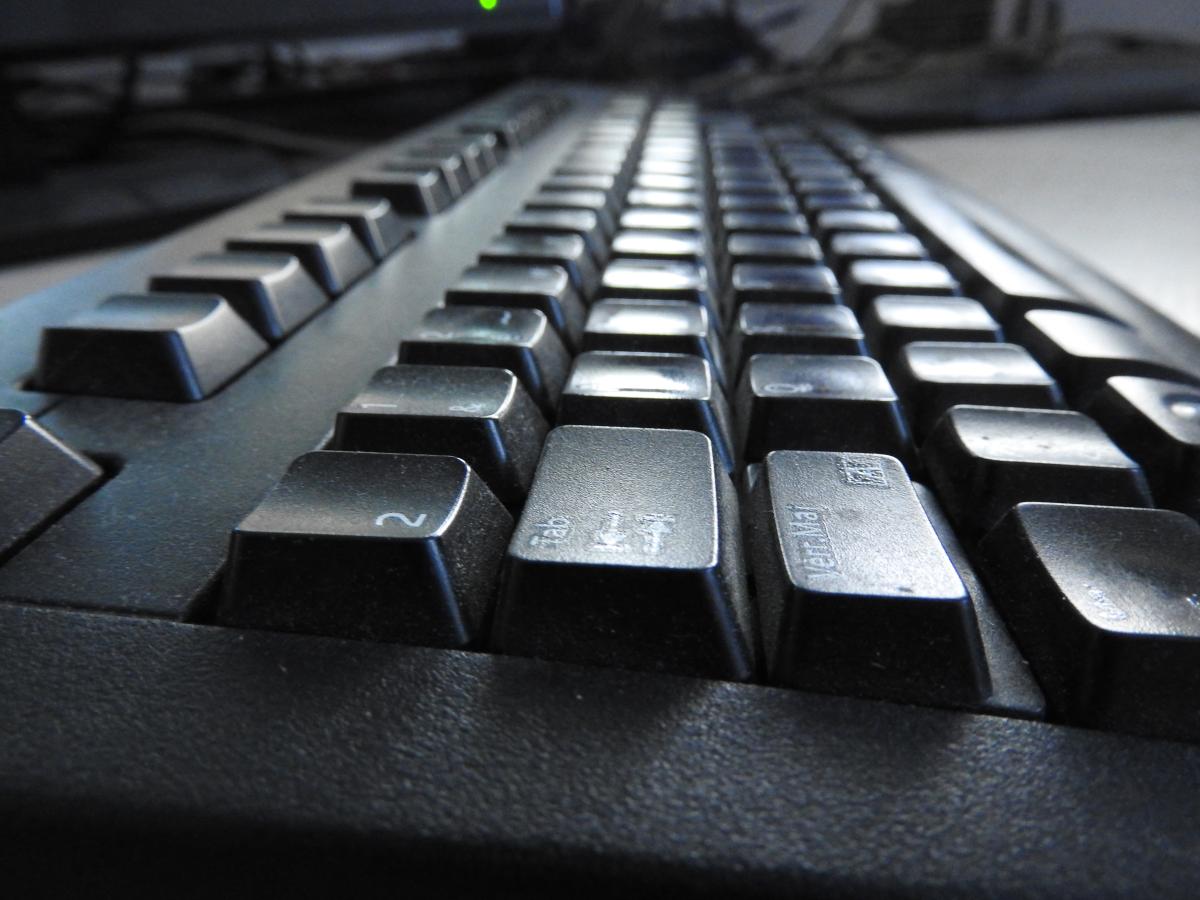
[(593, 491)]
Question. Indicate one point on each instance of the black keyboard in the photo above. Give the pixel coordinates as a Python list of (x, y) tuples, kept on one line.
[(596, 492)]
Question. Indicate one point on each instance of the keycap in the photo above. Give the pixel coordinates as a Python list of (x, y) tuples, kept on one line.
[(856, 593), (772, 248), (40, 477), (1006, 284), (652, 279), (591, 201), (679, 246), (765, 183), (867, 279), (450, 165), (423, 193), (893, 320), (520, 340), (984, 460), (767, 203), (831, 222), (642, 219), (379, 546), (850, 246), (665, 199), (148, 346), (627, 555), (373, 221), (484, 416), (777, 283), (1083, 351), (647, 390), (763, 223), (819, 201), (567, 251), (1158, 424), (1103, 603), (329, 251), (658, 181), (580, 222), (826, 184), (805, 328), (271, 291), (546, 288), (669, 167), (802, 402), (930, 377), (654, 326)]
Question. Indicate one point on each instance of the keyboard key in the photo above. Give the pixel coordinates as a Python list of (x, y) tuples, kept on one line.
[(40, 477), (381, 546), (763, 223), (657, 181), (1102, 602), (453, 170), (856, 593), (1158, 424), (520, 340), (627, 555), (831, 222), (150, 347), (329, 252), (685, 200), (422, 193), (545, 288), (773, 248), (828, 185), (482, 415), (984, 460), (893, 320), (760, 203), (930, 377), (850, 246), (567, 251), (271, 291), (647, 390), (654, 326), (867, 279), (758, 282), (805, 328), (651, 279), (1083, 351), (822, 200), (373, 221), (794, 402), (579, 222), (679, 246), (641, 219)]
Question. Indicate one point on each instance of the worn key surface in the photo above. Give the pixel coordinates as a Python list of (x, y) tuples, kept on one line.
[(1105, 604), (628, 554), (856, 592), (382, 546)]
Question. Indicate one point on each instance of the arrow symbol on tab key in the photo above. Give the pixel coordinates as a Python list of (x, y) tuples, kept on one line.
[(401, 517)]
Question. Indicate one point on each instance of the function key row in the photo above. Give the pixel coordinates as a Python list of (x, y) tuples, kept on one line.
[(204, 322)]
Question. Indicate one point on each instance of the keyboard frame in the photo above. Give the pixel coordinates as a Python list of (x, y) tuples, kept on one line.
[(145, 752)]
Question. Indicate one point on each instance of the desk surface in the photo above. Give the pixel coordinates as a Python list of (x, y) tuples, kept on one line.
[(1122, 194)]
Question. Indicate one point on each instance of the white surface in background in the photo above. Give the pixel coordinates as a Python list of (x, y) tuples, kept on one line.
[(1121, 194)]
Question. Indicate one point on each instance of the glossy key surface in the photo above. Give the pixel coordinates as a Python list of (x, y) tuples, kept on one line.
[(568, 251), (808, 328), (867, 279), (520, 340), (856, 592), (1158, 424), (932, 376), (836, 221), (658, 280), (414, 193), (148, 346), (851, 246), (271, 291), (893, 320), (330, 252), (764, 223), (628, 554), (484, 416), (777, 283), (655, 326), (546, 288), (1104, 602), (1082, 351), (773, 248), (647, 390), (581, 222), (382, 546), (794, 402), (985, 460)]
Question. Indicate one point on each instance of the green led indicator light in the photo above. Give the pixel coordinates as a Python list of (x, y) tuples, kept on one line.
[(489, 5)]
